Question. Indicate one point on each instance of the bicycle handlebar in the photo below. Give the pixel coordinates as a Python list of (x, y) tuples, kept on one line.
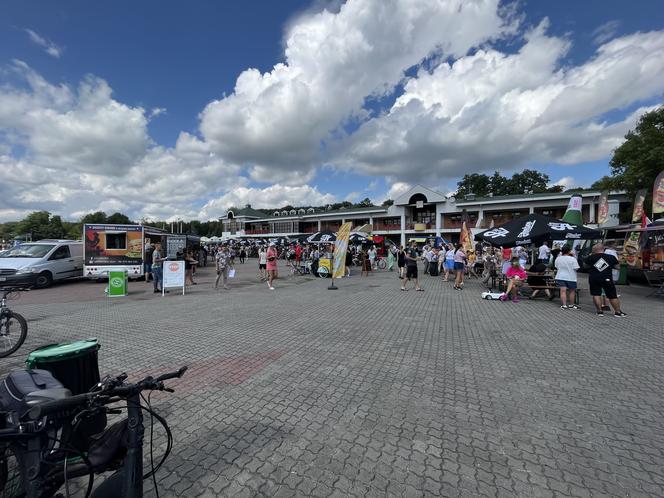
[(105, 396)]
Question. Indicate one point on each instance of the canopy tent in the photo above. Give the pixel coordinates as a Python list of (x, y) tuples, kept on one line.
[(280, 241), (322, 237), (535, 229), (358, 238), (655, 226), (299, 238)]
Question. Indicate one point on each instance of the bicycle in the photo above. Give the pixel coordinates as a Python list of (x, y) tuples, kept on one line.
[(40, 461), (13, 327), (299, 269)]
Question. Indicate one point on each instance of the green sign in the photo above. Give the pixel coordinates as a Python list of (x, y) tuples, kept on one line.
[(117, 283)]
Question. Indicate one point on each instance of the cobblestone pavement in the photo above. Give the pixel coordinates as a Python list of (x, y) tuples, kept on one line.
[(369, 391)]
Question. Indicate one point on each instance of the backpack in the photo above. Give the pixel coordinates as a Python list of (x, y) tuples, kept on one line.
[(21, 389)]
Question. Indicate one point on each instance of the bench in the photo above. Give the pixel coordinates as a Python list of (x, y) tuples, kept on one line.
[(655, 280)]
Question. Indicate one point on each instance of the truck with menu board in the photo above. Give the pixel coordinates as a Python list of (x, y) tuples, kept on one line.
[(113, 247)]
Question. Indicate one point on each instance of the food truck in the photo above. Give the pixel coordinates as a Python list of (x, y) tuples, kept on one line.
[(116, 247)]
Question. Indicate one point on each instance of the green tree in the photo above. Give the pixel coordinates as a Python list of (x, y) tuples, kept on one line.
[(97, 217), (498, 184), (528, 181), (475, 183), (119, 219), (387, 203), (366, 202), (637, 162), (35, 225)]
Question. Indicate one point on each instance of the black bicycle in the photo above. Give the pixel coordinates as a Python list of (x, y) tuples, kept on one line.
[(13, 327), (38, 455)]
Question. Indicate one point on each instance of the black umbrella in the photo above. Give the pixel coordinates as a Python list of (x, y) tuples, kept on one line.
[(535, 229), (358, 238), (322, 237)]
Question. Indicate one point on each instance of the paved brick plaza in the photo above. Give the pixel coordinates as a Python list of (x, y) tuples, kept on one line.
[(369, 391)]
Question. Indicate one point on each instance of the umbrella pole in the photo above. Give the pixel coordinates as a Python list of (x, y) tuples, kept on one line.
[(332, 286)]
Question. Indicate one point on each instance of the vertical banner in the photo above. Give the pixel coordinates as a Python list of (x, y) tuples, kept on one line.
[(658, 194), (603, 215), (632, 250), (637, 213), (340, 248)]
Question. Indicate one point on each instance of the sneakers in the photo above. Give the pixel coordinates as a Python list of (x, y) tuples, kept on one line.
[(563, 307), (516, 299), (503, 297), (572, 307), (619, 314), (600, 313), (271, 288)]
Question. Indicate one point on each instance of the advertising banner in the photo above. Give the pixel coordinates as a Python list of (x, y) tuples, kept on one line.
[(658, 194), (466, 238), (117, 283), (173, 275), (632, 250), (573, 213), (340, 248), (175, 244), (603, 215), (637, 213), (113, 245)]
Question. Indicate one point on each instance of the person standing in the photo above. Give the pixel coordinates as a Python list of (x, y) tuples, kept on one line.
[(190, 263), (609, 248), (449, 262), (262, 263), (391, 253), (460, 259), (543, 253), (157, 270), (149, 249), (372, 257), (566, 268), (223, 262), (401, 261), (600, 278), (243, 255), (272, 256), (411, 268)]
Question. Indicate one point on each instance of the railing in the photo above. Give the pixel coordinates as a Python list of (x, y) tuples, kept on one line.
[(257, 232), (387, 227)]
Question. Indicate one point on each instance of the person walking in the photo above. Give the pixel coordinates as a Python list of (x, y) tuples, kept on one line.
[(272, 256), (411, 268), (391, 253), (600, 278), (223, 263), (566, 267), (401, 261), (610, 248), (460, 259), (262, 263), (243, 255), (157, 270), (190, 263)]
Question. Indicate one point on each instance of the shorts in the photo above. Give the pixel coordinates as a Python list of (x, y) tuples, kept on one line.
[(411, 271), (262, 266), (148, 267), (449, 264), (599, 285), (566, 284), (458, 266)]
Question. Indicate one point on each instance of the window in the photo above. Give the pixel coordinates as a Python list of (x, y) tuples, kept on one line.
[(61, 252), (116, 240), (28, 251)]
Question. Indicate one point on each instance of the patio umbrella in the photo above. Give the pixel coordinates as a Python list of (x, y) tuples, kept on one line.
[(322, 237), (358, 238), (535, 229)]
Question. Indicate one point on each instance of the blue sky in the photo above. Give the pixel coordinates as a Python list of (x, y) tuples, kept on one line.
[(173, 59)]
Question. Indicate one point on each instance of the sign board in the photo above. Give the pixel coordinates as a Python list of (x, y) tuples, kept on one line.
[(113, 245), (175, 244), (418, 227), (173, 275), (117, 283)]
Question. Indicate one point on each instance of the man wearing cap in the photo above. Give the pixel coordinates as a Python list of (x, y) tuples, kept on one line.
[(272, 256)]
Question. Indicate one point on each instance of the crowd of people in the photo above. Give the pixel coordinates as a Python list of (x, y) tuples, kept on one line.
[(541, 270)]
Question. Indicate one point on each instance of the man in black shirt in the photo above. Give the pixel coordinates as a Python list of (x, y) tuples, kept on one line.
[(536, 278), (600, 278), (411, 268)]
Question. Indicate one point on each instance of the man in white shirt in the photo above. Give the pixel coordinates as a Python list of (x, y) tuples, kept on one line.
[(543, 253)]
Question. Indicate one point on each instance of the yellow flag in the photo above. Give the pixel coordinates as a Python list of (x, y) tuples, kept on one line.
[(340, 249)]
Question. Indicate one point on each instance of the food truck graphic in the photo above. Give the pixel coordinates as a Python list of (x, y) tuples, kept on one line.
[(113, 247)]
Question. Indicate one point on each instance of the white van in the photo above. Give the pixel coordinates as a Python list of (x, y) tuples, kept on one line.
[(41, 263)]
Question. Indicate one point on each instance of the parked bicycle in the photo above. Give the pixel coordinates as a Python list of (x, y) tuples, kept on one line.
[(13, 327), (37, 457)]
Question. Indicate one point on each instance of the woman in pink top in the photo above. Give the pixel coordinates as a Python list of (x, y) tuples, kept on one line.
[(515, 278), (272, 256)]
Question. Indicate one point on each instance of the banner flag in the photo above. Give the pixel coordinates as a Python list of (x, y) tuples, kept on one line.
[(573, 213), (603, 215), (466, 238), (638, 205), (340, 248), (658, 194)]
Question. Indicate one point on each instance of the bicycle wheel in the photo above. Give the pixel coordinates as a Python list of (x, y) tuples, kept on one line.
[(323, 272), (13, 330), (382, 264), (11, 478)]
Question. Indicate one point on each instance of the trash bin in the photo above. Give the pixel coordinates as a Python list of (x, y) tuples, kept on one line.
[(117, 283), (75, 365), (622, 279)]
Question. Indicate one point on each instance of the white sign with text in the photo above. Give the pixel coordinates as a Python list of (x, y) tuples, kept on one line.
[(173, 275)]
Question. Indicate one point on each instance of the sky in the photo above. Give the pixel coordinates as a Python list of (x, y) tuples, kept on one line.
[(180, 110)]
